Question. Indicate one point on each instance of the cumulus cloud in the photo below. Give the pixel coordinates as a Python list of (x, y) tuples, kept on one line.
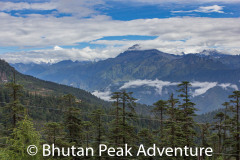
[(59, 54), (198, 88), (189, 35), (77, 8), (174, 35), (206, 9), (10, 6), (185, 34)]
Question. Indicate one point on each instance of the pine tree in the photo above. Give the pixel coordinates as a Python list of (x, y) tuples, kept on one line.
[(53, 133), (122, 130), (73, 123), (2, 111), (98, 129), (172, 127), (117, 121), (2, 97), (213, 138), (128, 102), (226, 127), (146, 138), (205, 134), (15, 109), (159, 109), (219, 127), (87, 132), (235, 129), (23, 135), (186, 116)]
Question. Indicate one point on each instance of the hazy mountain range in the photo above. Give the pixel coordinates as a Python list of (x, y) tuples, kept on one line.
[(150, 74)]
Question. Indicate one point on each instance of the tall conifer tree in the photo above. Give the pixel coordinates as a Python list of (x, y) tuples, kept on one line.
[(235, 130), (159, 109), (187, 113), (73, 123)]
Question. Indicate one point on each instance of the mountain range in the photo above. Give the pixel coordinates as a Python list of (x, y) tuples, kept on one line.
[(150, 74), (45, 88)]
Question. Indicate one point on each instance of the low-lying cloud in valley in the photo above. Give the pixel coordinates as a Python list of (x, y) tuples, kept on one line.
[(157, 84), (105, 95), (197, 88)]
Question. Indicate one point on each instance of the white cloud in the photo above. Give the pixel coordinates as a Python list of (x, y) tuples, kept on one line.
[(206, 9), (175, 35), (158, 84), (197, 33), (59, 54), (209, 9), (42, 31), (228, 85), (198, 88), (202, 87), (57, 48), (105, 95), (78, 8), (9, 6)]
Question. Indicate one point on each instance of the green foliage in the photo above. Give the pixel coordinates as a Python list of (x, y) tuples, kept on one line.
[(70, 120), (186, 115), (53, 133), (160, 108), (234, 121), (46, 88), (22, 136), (15, 108)]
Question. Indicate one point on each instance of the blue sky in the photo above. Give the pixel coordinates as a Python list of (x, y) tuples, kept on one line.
[(124, 11), (54, 30)]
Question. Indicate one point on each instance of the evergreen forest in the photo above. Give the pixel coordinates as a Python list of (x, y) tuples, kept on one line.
[(63, 120)]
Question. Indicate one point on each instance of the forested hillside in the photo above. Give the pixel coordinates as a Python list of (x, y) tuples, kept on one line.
[(28, 119), (33, 113), (41, 87)]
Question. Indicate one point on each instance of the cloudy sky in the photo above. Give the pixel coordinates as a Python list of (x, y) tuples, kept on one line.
[(54, 30)]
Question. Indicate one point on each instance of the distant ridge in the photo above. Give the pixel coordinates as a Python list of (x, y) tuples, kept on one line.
[(208, 66)]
